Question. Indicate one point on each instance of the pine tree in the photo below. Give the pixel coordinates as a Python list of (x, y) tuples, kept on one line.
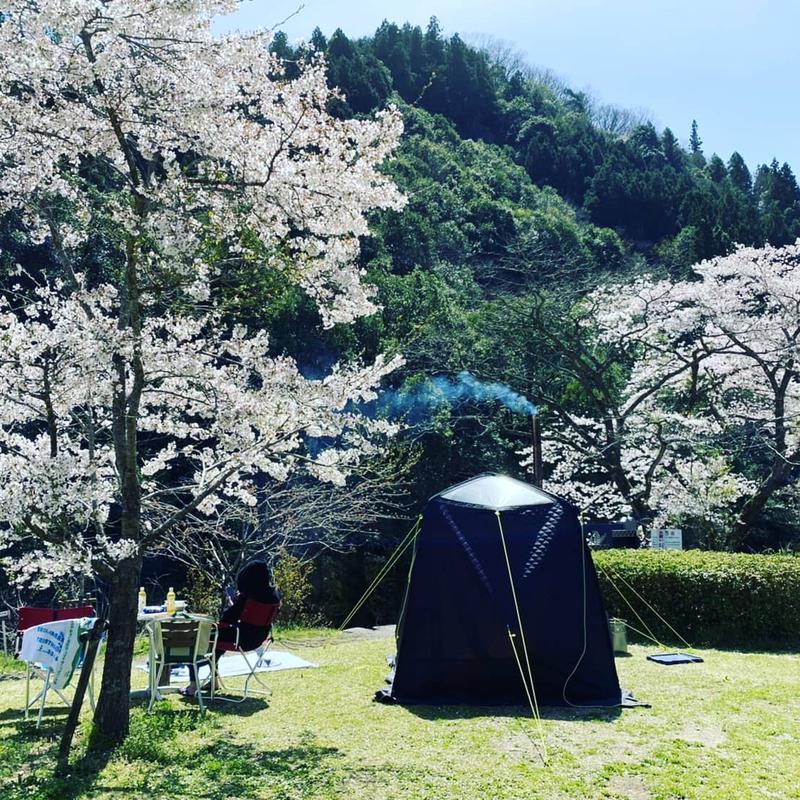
[(739, 174), (695, 142), (716, 169), (319, 42), (673, 153)]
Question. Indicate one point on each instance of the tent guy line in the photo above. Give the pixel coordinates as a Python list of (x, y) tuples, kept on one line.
[(532, 692)]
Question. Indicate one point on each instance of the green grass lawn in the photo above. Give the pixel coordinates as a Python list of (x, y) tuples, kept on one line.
[(728, 728)]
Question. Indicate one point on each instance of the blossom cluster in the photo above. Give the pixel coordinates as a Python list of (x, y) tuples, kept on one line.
[(712, 369), (206, 131), (211, 156), (216, 411)]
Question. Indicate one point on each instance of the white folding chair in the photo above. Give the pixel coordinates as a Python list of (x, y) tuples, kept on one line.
[(185, 639)]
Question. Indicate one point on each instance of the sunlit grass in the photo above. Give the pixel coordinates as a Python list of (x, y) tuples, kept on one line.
[(728, 728)]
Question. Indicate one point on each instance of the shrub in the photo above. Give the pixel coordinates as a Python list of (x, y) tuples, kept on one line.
[(292, 576), (718, 599), (203, 596)]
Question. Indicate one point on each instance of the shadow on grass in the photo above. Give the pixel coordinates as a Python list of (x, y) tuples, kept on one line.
[(757, 647), (29, 759), (57, 715), (233, 707), (169, 752), (218, 771), (238, 708), (562, 713)]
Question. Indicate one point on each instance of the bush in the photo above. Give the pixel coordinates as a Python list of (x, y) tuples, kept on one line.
[(292, 576), (718, 599), (203, 596)]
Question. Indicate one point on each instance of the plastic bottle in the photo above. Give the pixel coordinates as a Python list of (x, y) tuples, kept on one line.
[(171, 601), (142, 598)]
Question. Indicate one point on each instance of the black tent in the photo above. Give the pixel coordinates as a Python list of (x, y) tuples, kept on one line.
[(502, 580)]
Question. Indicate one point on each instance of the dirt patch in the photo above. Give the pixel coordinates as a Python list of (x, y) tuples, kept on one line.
[(520, 747), (630, 787), (596, 747), (705, 735), (379, 632)]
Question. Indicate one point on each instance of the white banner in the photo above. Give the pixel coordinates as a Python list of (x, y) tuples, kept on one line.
[(55, 646)]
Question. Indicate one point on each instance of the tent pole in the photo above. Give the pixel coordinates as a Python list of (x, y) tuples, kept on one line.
[(536, 434)]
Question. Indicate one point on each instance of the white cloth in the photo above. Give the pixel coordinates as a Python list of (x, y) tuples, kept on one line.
[(233, 664), (55, 646)]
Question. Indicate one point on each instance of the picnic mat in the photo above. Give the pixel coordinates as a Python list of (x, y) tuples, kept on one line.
[(231, 665)]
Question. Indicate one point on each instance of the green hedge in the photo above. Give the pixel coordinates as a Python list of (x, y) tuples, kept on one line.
[(718, 599)]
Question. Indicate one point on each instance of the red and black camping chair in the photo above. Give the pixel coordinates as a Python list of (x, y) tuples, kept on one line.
[(31, 617), (253, 625)]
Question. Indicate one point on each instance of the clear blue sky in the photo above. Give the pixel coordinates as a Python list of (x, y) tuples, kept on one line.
[(734, 65)]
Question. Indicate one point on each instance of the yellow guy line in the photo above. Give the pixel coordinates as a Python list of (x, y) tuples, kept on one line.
[(653, 610), (532, 694), (393, 559), (638, 616), (644, 635)]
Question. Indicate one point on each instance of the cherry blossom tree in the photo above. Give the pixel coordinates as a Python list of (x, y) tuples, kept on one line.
[(693, 395), (127, 122), (606, 361), (748, 304), (300, 516)]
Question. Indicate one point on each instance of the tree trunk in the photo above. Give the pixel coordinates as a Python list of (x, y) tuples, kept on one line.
[(640, 509), (758, 500), (750, 511), (113, 707)]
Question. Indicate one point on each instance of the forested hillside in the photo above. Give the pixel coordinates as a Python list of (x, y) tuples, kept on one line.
[(521, 189), (523, 195), (676, 205)]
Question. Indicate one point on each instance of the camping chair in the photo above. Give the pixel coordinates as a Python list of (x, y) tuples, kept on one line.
[(31, 617), (182, 640), (28, 616), (256, 614), (4, 615)]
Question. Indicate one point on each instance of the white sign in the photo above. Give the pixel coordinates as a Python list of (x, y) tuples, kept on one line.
[(666, 539)]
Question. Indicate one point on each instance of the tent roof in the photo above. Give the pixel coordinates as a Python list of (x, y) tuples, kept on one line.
[(496, 492)]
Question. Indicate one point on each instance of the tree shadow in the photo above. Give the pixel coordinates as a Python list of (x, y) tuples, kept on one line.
[(220, 770), (15, 715), (238, 708), (156, 764), (31, 752), (772, 647)]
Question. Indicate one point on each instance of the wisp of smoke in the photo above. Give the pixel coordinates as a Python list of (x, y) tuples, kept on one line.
[(422, 399)]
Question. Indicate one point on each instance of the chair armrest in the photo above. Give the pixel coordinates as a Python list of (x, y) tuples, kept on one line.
[(228, 626)]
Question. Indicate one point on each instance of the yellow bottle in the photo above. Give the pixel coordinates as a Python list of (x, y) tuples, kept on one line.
[(171, 601), (142, 598)]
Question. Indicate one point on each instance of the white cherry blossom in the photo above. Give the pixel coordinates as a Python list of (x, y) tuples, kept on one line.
[(713, 377), (125, 402)]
